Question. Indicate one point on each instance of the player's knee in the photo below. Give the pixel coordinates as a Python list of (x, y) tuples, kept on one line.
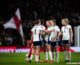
[(37, 53)]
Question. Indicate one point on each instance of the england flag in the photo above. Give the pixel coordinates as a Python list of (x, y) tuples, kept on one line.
[(15, 23)]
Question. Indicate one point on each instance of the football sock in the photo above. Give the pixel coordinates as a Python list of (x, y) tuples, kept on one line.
[(36, 57), (54, 58), (65, 55), (31, 57), (46, 55), (50, 54), (57, 56), (69, 55)]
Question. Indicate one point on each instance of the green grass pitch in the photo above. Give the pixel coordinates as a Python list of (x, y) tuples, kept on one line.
[(19, 59)]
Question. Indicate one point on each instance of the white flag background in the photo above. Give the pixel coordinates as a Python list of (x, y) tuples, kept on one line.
[(15, 23)]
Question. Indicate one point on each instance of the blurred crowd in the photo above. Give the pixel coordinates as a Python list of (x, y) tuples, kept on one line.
[(12, 37), (35, 9)]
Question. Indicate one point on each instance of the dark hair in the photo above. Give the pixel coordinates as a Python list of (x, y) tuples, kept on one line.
[(37, 21), (54, 20)]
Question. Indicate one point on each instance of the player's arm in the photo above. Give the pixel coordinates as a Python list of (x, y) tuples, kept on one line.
[(61, 34), (32, 36), (58, 34), (32, 31), (71, 35), (48, 31), (42, 30)]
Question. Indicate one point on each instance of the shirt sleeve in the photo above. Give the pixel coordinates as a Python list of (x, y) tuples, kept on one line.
[(49, 29), (43, 28), (69, 27), (57, 29), (32, 29), (61, 29)]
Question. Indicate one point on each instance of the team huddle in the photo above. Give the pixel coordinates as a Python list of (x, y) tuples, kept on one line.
[(52, 37)]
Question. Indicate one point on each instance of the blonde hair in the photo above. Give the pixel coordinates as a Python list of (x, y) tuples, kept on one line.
[(66, 20)]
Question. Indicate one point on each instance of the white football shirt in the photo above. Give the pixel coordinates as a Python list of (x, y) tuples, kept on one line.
[(66, 32), (47, 36), (36, 32), (54, 33)]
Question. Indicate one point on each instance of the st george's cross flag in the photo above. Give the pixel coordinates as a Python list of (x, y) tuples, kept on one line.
[(15, 23)]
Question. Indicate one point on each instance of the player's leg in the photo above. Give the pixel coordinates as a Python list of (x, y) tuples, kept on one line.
[(46, 51), (65, 53), (57, 53), (32, 53), (65, 50), (68, 52), (31, 49), (53, 50), (50, 52), (29, 56), (37, 54), (58, 46), (46, 54)]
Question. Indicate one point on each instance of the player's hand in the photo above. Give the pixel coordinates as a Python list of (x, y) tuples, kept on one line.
[(70, 41), (53, 39)]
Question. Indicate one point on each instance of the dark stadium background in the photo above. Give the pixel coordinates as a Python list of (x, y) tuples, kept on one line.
[(37, 9)]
